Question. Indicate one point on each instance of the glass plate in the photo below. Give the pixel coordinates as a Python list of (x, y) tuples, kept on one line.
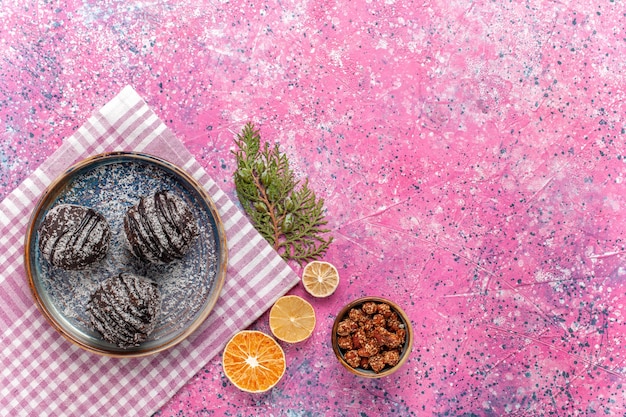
[(111, 183)]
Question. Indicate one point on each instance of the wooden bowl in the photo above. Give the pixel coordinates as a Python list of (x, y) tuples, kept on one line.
[(405, 349)]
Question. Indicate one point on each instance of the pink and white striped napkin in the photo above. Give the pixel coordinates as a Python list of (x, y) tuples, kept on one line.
[(43, 374)]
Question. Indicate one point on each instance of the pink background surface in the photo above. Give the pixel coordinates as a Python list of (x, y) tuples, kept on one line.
[(471, 155)]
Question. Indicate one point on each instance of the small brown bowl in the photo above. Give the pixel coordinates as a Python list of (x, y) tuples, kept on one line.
[(405, 348)]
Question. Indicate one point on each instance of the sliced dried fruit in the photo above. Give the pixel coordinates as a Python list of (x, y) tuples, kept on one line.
[(253, 361), (320, 279), (292, 319)]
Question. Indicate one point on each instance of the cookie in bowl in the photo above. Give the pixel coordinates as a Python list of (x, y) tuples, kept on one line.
[(124, 309), (160, 228), (73, 237)]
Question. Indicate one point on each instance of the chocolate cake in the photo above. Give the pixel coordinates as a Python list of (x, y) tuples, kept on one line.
[(160, 228), (73, 237), (124, 309)]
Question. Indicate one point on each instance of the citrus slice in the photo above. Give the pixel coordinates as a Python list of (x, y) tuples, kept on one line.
[(253, 361), (292, 319), (320, 279)]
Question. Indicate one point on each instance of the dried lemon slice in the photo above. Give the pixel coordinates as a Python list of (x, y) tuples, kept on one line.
[(292, 319), (320, 279)]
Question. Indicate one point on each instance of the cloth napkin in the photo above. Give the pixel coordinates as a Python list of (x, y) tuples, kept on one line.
[(41, 373)]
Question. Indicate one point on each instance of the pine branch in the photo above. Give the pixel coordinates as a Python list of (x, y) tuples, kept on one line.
[(284, 211)]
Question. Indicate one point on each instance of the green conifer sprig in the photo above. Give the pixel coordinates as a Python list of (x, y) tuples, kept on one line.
[(285, 211)]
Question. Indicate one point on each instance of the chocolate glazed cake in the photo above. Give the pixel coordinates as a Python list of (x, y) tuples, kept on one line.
[(73, 237), (124, 309), (160, 228)]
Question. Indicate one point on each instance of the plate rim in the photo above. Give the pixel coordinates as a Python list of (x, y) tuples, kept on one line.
[(52, 191)]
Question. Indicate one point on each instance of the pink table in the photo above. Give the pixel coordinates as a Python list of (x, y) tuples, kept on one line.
[(471, 156)]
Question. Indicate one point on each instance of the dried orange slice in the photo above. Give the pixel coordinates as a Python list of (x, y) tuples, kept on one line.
[(320, 279), (253, 361), (292, 319)]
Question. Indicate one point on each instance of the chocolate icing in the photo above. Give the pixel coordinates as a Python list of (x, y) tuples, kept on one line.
[(160, 228), (124, 309), (73, 237)]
